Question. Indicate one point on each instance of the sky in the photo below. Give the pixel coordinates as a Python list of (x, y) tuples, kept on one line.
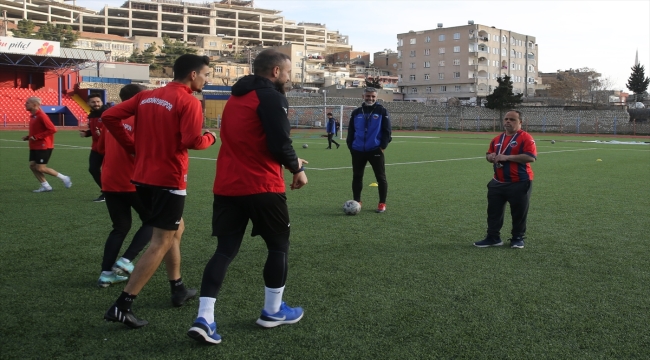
[(603, 35)]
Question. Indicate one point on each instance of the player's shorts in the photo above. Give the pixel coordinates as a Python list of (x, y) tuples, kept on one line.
[(40, 156), (165, 209), (268, 212)]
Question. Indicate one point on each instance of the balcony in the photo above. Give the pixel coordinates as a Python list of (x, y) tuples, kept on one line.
[(314, 69), (314, 58)]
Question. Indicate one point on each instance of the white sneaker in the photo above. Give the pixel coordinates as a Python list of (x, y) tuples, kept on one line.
[(67, 182), (43, 189)]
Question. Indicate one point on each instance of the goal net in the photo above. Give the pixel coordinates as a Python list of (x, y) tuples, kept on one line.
[(315, 117)]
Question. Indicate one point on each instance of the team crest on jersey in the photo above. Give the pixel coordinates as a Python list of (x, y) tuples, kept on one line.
[(375, 116), (513, 144)]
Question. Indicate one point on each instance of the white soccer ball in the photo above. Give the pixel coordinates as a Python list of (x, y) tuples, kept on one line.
[(552, 141), (304, 146), (351, 207)]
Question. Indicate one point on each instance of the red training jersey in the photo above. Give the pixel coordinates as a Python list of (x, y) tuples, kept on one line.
[(520, 143), (95, 123), (41, 127), (118, 165), (255, 140), (168, 122)]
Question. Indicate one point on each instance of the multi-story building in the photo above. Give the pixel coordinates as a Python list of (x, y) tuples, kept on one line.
[(308, 70), (116, 47), (236, 21), (464, 62), (386, 62)]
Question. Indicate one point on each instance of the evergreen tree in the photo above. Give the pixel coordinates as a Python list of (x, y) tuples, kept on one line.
[(374, 83), (503, 98), (172, 49), (25, 29), (638, 82), (58, 32)]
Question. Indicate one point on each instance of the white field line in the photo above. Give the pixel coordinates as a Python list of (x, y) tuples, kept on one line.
[(55, 145)]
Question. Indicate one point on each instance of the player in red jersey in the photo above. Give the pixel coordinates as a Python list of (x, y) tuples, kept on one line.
[(41, 144), (168, 122), (511, 154), (94, 130), (120, 195), (249, 185)]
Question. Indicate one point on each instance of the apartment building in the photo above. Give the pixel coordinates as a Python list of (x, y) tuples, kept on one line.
[(237, 23), (385, 62), (308, 70), (464, 62), (116, 46)]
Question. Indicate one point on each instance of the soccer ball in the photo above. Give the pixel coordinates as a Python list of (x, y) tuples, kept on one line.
[(552, 141), (304, 146), (351, 207)]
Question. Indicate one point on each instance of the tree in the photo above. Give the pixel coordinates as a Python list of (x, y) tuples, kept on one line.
[(25, 29), (638, 82), (51, 32), (583, 85), (59, 32), (503, 98), (172, 49), (373, 82)]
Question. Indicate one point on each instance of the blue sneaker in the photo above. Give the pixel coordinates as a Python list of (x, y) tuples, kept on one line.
[(203, 332), (108, 280), (122, 267), (517, 242), (286, 315), (488, 241)]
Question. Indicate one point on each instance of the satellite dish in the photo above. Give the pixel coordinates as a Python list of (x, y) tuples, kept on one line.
[(394, 65)]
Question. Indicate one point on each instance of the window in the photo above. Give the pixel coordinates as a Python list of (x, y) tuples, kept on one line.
[(147, 45), (456, 61), (443, 88), (298, 76), (512, 41), (414, 90), (426, 77), (441, 37), (495, 37), (504, 39), (427, 39), (531, 68), (299, 64), (441, 63), (213, 43), (427, 51), (456, 75), (399, 77), (441, 50), (298, 53), (504, 52), (412, 77), (456, 49), (441, 76), (218, 69), (399, 54), (457, 88), (412, 66), (427, 64), (412, 41), (412, 53), (427, 89), (456, 36), (400, 42)]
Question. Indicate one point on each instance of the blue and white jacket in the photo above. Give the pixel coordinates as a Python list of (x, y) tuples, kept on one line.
[(369, 128)]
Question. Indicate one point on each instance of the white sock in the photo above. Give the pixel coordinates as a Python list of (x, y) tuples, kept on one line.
[(61, 176), (206, 308), (45, 184), (272, 299), (107, 273), (125, 260)]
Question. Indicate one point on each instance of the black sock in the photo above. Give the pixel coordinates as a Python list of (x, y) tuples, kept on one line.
[(177, 285), (125, 301)]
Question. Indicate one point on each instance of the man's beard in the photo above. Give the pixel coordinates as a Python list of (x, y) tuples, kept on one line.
[(279, 86), (369, 103)]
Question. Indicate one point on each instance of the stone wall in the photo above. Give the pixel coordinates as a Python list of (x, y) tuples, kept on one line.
[(419, 116)]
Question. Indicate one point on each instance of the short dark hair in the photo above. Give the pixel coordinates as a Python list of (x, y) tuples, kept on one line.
[(330, 114), (95, 95), (185, 64), (129, 91), (267, 60), (369, 90)]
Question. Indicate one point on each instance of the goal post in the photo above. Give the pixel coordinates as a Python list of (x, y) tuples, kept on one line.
[(315, 117)]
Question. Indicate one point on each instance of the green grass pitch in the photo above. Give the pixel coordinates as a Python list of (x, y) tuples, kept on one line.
[(406, 284)]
